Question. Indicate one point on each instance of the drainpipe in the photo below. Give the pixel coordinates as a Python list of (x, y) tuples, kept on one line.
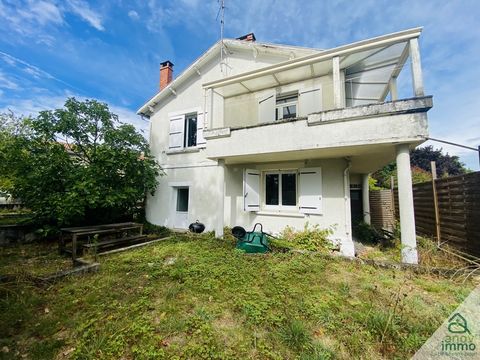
[(347, 247)]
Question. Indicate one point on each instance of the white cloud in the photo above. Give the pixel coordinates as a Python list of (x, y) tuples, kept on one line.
[(45, 12), (7, 83), (82, 9), (133, 15)]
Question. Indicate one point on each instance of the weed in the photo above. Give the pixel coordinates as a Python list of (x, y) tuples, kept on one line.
[(295, 335)]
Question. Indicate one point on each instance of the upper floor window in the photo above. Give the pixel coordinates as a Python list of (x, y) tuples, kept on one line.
[(186, 130), (286, 106), (190, 137)]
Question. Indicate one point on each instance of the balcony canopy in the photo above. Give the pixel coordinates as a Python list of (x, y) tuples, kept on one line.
[(369, 65)]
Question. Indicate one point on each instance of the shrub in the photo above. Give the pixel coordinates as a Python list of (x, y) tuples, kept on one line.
[(152, 229), (365, 233), (310, 238)]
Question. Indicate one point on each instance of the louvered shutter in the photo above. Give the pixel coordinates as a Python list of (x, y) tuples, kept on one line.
[(251, 190), (310, 189), (177, 129), (200, 126)]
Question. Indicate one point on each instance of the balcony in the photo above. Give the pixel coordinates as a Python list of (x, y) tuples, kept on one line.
[(347, 105), (351, 132)]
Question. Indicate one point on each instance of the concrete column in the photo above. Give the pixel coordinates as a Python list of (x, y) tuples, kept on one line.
[(366, 198), (346, 247), (337, 83), (416, 68), (405, 203), (220, 221), (393, 88)]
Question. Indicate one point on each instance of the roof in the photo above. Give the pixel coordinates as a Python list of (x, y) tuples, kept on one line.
[(234, 44), (368, 64)]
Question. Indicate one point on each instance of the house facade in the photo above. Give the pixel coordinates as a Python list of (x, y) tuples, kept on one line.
[(282, 135)]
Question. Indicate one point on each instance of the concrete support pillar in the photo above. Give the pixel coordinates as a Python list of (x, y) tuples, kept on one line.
[(346, 247), (220, 221), (405, 203), (366, 198), (417, 78), (337, 83), (393, 88)]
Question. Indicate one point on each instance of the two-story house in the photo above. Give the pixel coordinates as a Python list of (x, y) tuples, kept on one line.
[(283, 135)]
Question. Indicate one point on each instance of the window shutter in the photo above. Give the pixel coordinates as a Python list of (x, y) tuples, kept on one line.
[(177, 129), (200, 125), (266, 109), (310, 187), (251, 190), (309, 101)]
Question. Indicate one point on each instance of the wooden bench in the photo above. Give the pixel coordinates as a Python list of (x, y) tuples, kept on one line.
[(84, 235), (113, 242)]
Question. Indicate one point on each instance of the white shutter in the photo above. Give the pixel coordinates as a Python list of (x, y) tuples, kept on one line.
[(309, 101), (266, 108), (176, 134), (200, 125), (310, 188), (251, 190)]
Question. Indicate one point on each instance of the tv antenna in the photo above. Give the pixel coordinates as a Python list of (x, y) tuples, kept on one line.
[(221, 14)]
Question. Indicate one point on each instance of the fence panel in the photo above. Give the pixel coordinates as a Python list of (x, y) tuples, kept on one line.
[(459, 210)]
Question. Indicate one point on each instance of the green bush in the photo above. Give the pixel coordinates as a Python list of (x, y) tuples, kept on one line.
[(310, 238), (365, 233), (152, 229)]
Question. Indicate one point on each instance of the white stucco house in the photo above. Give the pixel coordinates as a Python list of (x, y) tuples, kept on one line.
[(283, 135)]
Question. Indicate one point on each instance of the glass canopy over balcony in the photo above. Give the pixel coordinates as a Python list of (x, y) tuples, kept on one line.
[(369, 70)]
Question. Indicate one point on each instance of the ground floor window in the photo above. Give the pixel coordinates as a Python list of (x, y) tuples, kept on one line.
[(182, 199), (280, 190)]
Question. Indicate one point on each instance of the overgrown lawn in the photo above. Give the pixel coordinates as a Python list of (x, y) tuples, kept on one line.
[(194, 297)]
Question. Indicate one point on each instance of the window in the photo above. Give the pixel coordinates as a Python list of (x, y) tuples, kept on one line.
[(281, 189), (190, 137), (286, 106), (182, 199)]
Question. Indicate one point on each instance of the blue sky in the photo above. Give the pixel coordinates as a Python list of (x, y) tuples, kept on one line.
[(111, 51)]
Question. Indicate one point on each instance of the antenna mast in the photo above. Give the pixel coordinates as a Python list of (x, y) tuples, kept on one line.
[(221, 12)]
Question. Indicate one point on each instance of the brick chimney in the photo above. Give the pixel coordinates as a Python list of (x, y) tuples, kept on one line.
[(248, 37), (166, 74)]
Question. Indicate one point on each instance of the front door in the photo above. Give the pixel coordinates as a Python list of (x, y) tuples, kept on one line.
[(356, 206), (181, 208)]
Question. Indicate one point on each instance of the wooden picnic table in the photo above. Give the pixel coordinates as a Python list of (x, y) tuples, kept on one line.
[(76, 232)]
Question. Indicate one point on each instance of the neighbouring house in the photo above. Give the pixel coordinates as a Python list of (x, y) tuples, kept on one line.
[(284, 135)]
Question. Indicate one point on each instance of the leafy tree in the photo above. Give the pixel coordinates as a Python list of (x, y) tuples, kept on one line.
[(420, 159), (77, 165), (447, 165)]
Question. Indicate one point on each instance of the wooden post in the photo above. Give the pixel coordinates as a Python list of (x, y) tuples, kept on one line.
[(435, 201), (392, 191), (74, 247)]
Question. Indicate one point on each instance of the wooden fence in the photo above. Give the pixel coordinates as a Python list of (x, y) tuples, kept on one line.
[(459, 210), (382, 209)]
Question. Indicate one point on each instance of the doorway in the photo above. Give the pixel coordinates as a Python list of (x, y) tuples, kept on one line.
[(181, 208), (356, 206)]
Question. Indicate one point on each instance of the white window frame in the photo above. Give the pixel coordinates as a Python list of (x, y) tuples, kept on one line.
[(279, 107), (279, 207), (186, 130)]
